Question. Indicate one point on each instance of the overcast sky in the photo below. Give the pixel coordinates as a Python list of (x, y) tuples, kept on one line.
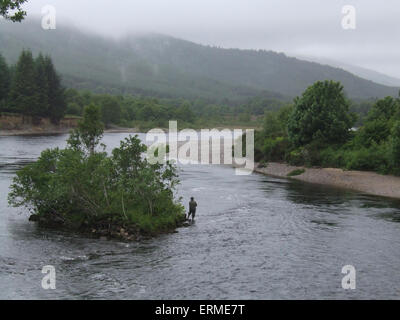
[(296, 27)]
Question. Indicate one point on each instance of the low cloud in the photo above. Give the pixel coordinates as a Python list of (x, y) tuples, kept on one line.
[(307, 27)]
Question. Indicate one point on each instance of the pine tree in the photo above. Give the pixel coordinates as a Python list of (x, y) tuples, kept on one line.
[(4, 82), (23, 93), (56, 94), (42, 84)]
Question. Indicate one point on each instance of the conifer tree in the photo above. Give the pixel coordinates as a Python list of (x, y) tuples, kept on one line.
[(56, 95), (23, 93), (4, 82), (42, 83)]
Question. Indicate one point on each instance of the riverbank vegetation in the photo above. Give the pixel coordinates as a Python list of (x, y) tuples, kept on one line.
[(83, 188), (148, 112), (32, 88), (317, 130)]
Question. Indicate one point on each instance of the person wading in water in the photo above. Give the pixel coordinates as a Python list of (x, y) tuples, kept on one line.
[(192, 208)]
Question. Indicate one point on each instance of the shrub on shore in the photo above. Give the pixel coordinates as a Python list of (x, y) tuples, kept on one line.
[(296, 172)]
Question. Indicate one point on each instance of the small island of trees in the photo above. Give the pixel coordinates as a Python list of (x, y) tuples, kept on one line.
[(84, 189)]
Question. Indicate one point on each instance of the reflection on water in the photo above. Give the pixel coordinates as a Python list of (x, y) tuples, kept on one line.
[(317, 195), (256, 237)]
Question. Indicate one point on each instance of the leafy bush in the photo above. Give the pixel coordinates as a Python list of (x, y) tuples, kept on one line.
[(374, 131), (383, 109), (395, 147), (296, 157), (275, 149), (73, 109), (296, 172), (332, 157), (374, 158)]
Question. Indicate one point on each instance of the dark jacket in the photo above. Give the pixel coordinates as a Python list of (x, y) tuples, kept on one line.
[(192, 205)]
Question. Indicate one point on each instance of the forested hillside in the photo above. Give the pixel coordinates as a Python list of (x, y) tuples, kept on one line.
[(162, 66), (108, 66)]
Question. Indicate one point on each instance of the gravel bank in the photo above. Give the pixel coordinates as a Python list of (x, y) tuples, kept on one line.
[(363, 181), (368, 182)]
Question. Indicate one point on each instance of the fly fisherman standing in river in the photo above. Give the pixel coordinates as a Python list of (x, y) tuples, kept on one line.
[(192, 208)]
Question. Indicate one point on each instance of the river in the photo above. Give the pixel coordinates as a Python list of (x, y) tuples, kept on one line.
[(255, 237)]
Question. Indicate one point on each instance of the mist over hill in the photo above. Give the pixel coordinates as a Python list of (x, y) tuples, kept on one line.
[(158, 65), (375, 76)]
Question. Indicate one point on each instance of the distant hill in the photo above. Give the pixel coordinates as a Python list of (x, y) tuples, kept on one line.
[(164, 66), (365, 73)]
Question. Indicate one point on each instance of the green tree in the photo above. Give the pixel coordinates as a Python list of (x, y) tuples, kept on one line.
[(272, 127), (89, 132), (395, 146), (320, 115), (245, 117), (184, 112), (379, 122), (383, 109), (11, 9), (23, 94), (73, 109), (42, 84), (4, 81), (56, 93), (110, 110)]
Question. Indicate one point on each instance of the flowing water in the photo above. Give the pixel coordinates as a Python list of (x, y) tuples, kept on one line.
[(255, 237)]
